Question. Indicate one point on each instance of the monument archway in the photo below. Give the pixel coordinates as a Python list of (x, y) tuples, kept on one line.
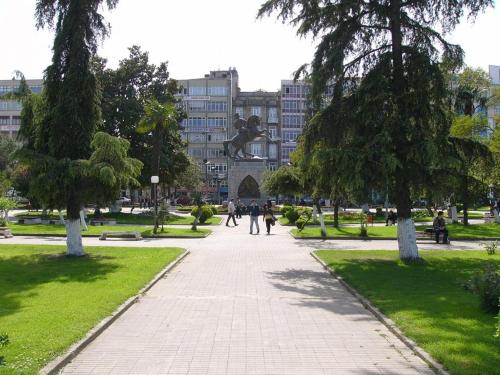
[(249, 188)]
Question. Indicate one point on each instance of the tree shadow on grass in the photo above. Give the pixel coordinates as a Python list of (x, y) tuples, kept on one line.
[(20, 275), (429, 302)]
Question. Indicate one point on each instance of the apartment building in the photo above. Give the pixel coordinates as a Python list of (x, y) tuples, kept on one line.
[(294, 96), (208, 103), (492, 111), (10, 110)]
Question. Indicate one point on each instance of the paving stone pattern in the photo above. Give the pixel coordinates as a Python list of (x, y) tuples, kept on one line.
[(247, 304)]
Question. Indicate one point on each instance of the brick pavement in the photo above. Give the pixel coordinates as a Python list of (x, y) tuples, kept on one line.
[(241, 304)]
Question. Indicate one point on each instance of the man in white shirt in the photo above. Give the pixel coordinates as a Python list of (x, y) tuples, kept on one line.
[(230, 210)]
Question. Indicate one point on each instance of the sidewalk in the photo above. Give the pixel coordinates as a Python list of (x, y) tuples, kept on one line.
[(246, 304)]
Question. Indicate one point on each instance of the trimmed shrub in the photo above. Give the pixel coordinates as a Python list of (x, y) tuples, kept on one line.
[(292, 215), (206, 213), (486, 284), (286, 208), (214, 210)]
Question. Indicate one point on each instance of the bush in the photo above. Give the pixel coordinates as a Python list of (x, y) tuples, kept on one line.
[(491, 247), (419, 214), (4, 340), (379, 212), (286, 208), (292, 215), (206, 213), (214, 210), (486, 284), (3, 222)]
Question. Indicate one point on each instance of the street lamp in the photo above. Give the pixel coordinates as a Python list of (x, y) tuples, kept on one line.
[(154, 181)]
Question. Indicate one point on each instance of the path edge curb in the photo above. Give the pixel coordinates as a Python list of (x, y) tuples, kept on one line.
[(56, 365), (421, 353)]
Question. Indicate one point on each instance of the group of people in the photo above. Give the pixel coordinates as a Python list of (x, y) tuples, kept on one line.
[(254, 211)]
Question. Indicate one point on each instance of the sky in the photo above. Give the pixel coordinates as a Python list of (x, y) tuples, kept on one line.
[(196, 36)]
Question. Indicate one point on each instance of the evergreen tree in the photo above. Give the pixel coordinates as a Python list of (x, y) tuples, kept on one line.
[(390, 124), (71, 108)]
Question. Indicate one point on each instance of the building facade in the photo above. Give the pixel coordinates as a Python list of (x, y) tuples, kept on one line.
[(493, 111), (10, 110), (294, 99)]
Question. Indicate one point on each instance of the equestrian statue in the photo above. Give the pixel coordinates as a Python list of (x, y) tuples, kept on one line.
[(248, 131)]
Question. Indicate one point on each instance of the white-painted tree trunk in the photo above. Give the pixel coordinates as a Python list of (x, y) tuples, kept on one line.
[(407, 240), (61, 217), (82, 220), (74, 238), (315, 214), (322, 223), (454, 214), (496, 216), (6, 215)]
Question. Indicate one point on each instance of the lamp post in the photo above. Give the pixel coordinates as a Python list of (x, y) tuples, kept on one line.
[(154, 181)]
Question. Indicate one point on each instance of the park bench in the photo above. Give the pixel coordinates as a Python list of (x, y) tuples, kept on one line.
[(29, 220), (130, 234), (427, 234), (102, 221), (5, 232)]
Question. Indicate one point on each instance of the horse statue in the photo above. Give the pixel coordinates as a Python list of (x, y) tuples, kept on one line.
[(248, 131)]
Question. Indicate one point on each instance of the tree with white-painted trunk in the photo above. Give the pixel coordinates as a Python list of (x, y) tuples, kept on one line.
[(390, 123)]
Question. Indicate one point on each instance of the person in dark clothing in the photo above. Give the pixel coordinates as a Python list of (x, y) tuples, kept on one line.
[(254, 212), (439, 225), (238, 209), (268, 217), (391, 217)]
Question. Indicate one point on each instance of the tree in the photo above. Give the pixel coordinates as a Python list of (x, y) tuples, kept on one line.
[(190, 177), (71, 107), (286, 180), (470, 92), (392, 121)]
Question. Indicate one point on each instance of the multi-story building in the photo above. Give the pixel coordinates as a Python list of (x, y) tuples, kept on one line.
[(493, 111), (10, 110), (294, 96), (208, 103)]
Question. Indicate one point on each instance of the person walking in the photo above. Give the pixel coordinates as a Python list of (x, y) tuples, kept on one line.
[(238, 209), (268, 217), (254, 212), (230, 213)]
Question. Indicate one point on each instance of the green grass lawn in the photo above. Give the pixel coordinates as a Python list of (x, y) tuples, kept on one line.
[(52, 229), (455, 230), (428, 302), (47, 301)]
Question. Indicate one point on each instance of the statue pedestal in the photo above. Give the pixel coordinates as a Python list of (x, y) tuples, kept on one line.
[(245, 180)]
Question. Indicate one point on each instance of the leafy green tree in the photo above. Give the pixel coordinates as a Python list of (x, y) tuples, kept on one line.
[(59, 142), (190, 177), (286, 180), (472, 86), (391, 122)]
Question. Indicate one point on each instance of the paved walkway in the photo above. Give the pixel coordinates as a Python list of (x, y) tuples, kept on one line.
[(242, 304)]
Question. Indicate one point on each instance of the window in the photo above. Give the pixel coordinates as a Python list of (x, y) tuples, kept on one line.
[(193, 123), (197, 90), (272, 166), (293, 121), (37, 89), (217, 122), (285, 152), (217, 107), (290, 106), (196, 106), (239, 111), (10, 105), (256, 149), (217, 91), (290, 136), (497, 110), (195, 152), (255, 111), (4, 120), (272, 115), (273, 132), (16, 120), (273, 151), (216, 137), (196, 138), (215, 153)]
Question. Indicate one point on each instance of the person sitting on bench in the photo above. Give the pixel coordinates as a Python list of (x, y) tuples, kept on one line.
[(439, 225), (391, 218)]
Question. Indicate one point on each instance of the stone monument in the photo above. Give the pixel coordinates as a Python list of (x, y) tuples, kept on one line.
[(246, 171)]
